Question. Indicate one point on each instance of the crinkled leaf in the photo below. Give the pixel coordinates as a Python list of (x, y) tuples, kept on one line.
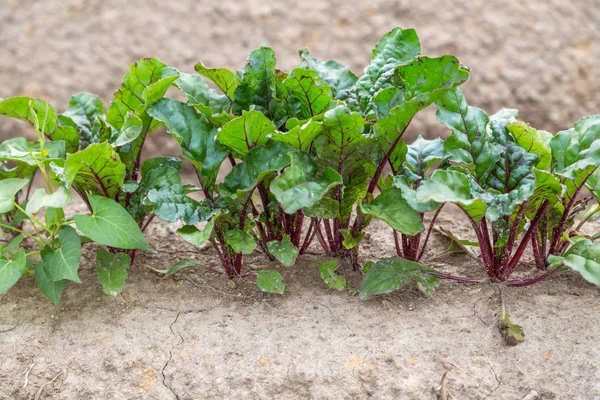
[(577, 148), (11, 270), (8, 189), (242, 134), (339, 77), (299, 187), (284, 251), (270, 281), (313, 92), (300, 136), (83, 110), (395, 48), (421, 155), (97, 169), (240, 241), (112, 270), (258, 164), (388, 275), (111, 225), (533, 141), (259, 87), (330, 277), (195, 135), (61, 261), (392, 208), (469, 142), (172, 204)]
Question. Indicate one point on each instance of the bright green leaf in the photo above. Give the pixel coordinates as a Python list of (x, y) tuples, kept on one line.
[(112, 270)]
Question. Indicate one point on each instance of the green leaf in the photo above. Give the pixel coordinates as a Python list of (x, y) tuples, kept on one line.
[(11, 270), (97, 169), (10, 246), (240, 241), (172, 204), (142, 85), (389, 275), (397, 47), (313, 93), (130, 131), (533, 141), (339, 77), (8, 189), (577, 149), (299, 187), (242, 134), (195, 135), (111, 225), (270, 282), (392, 208), (197, 92), (469, 142), (112, 270), (43, 116), (83, 110), (22, 151), (40, 199), (284, 251), (583, 257), (330, 277), (260, 162), (178, 266), (300, 136), (511, 333), (225, 80), (197, 237), (427, 284), (62, 260), (259, 87), (47, 285), (421, 155)]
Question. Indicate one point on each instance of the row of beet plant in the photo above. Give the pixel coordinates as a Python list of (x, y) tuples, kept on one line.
[(311, 157)]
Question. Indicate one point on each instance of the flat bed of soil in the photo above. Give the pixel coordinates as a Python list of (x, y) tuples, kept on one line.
[(196, 337)]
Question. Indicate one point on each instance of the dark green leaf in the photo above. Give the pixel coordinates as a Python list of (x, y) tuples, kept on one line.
[(83, 110), (299, 187), (172, 204), (338, 76)]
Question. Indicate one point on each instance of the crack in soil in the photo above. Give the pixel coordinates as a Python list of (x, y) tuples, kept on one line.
[(164, 377), (10, 329), (498, 381)]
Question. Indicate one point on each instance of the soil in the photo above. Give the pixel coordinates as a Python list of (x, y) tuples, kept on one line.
[(195, 336)]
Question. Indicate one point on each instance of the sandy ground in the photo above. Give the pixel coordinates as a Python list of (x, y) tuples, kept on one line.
[(539, 56), (195, 337)]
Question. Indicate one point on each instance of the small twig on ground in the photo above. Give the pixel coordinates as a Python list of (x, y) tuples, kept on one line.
[(27, 375), (41, 389)]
